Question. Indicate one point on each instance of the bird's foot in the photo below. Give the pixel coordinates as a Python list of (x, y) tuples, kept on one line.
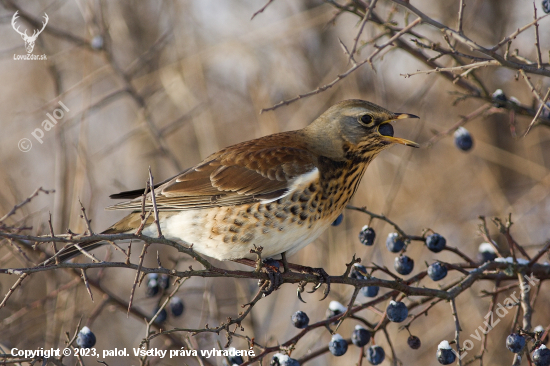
[(323, 278), (275, 279)]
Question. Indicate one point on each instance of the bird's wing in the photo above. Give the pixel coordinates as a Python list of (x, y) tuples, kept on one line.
[(232, 176)]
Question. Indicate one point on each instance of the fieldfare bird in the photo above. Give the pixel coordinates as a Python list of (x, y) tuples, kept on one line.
[(279, 192)]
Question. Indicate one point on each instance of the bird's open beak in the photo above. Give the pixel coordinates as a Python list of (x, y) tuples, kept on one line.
[(399, 140)]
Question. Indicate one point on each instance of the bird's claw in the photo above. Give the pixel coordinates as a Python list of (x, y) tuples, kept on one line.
[(300, 289), (323, 278)]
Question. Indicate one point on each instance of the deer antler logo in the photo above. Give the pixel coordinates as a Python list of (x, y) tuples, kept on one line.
[(29, 41)]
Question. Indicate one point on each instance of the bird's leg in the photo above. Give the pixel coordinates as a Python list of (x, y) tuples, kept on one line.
[(285, 262), (270, 266)]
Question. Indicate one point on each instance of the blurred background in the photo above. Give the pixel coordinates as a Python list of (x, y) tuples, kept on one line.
[(166, 83)]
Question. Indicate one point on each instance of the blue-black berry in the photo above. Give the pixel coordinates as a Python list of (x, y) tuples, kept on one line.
[(370, 291), (176, 306), (394, 243), (161, 318), (234, 358), (360, 336), (546, 110), (397, 311), (85, 338), (153, 287), (358, 271), (463, 139), (280, 359), (300, 319), (335, 308), (164, 281), (376, 355), (540, 329), (541, 356), (414, 342), (337, 345), (367, 235), (487, 253), (445, 354), (403, 265), (436, 243), (499, 98), (546, 6), (338, 220), (437, 271), (515, 342)]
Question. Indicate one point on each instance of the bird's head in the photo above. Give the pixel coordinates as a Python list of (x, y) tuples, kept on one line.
[(354, 128)]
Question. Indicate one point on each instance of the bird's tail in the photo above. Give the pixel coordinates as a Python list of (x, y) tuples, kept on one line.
[(72, 251), (127, 224)]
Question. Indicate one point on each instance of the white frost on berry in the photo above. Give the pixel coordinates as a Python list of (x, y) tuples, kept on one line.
[(365, 227), (393, 303), (538, 328), (358, 327), (444, 345), (336, 337), (514, 100), (283, 359), (498, 92), (85, 330), (336, 306), (461, 131), (486, 248)]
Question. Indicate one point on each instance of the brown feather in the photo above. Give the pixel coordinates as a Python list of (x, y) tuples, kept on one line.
[(243, 173)]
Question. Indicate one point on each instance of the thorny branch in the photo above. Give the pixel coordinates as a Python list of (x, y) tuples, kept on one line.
[(473, 272)]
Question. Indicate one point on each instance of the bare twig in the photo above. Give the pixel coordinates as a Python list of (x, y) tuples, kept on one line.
[(153, 198), (12, 289), (27, 200), (539, 111), (533, 90), (458, 329), (85, 279), (395, 36), (345, 74), (85, 217), (537, 40), (460, 16), (262, 9), (360, 31), (83, 251), (461, 122), (138, 272), (472, 66)]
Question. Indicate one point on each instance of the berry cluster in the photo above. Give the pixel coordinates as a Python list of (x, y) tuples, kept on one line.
[(159, 284), (516, 343)]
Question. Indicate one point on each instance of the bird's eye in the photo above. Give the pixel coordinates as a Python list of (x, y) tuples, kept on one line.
[(366, 119)]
